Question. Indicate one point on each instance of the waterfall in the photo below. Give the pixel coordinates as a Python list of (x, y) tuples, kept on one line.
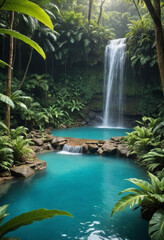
[(72, 149), (115, 54)]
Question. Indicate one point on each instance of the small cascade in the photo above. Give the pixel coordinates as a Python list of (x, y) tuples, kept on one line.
[(72, 149), (115, 54)]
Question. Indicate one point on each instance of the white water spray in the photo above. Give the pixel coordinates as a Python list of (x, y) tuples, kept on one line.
[(72, 149), (115, 54)]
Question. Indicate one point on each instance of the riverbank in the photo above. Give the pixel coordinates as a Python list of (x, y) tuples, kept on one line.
[(45, 141)]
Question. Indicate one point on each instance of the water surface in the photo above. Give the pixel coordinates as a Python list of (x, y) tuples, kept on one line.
[(91, 132), (86, 186)]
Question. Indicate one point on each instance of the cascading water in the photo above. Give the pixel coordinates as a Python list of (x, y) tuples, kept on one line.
[(72, 149), (115, 54)]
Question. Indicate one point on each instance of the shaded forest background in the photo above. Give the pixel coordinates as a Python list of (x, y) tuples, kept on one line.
[(68, 86)]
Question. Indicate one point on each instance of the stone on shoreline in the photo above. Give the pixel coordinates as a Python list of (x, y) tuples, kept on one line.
[(93, 147), (37, 141), (123, 150), (58, 142), (22, 171), (109, 149)]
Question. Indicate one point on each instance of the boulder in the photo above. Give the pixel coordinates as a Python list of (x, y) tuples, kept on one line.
[(47, 130), (48, 138), (36, 148), (49, 147), (85, 148), (32, 155), (93, 147), (6, 179), (109, 149), (2, 180), (37, 164), (37, 141), (5, 174), (58, 141), (22, 171), (123, 150), (117, 139), (101, 142), (100, 151)]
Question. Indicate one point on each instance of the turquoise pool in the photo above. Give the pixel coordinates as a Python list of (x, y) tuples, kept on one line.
[(91, 132), (86, 186)]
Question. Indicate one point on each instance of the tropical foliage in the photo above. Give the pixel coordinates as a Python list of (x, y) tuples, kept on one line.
[(151, 198), (14, 146), (25, 219), (146, 143)]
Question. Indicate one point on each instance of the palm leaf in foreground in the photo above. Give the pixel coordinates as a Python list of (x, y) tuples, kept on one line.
[(156, 225), (29, 8), (7, 100), (4, 64), (25, 39), (28, 218), (129, 200)]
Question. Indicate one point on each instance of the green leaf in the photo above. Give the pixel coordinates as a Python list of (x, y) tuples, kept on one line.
[(24, 39), (7, 100), (29, 8), (72, 40), (28, 218), (4, 127), (2, 212), (129, 200), (4, 64), (86, 42), (142, 184), (156, 225), (155, 182), (22, 105)]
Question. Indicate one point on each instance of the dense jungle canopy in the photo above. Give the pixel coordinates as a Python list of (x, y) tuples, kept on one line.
[(74, 59)]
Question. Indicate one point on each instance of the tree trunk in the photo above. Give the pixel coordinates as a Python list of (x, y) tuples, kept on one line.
[(100, 14), (90, 10), (155, 12), (160, 52), (8, 87), (26, 71)]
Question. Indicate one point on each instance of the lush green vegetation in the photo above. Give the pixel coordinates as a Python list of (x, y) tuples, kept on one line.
[(146, 143), (151, 199)]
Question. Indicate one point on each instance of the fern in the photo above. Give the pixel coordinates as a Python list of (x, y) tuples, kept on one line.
[(151, 194), (154, 160)]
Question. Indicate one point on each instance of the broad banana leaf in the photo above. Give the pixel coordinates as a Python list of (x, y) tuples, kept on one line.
[(29, 8), (156, 225), (28, 218), (7, 100), (24, 39)]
